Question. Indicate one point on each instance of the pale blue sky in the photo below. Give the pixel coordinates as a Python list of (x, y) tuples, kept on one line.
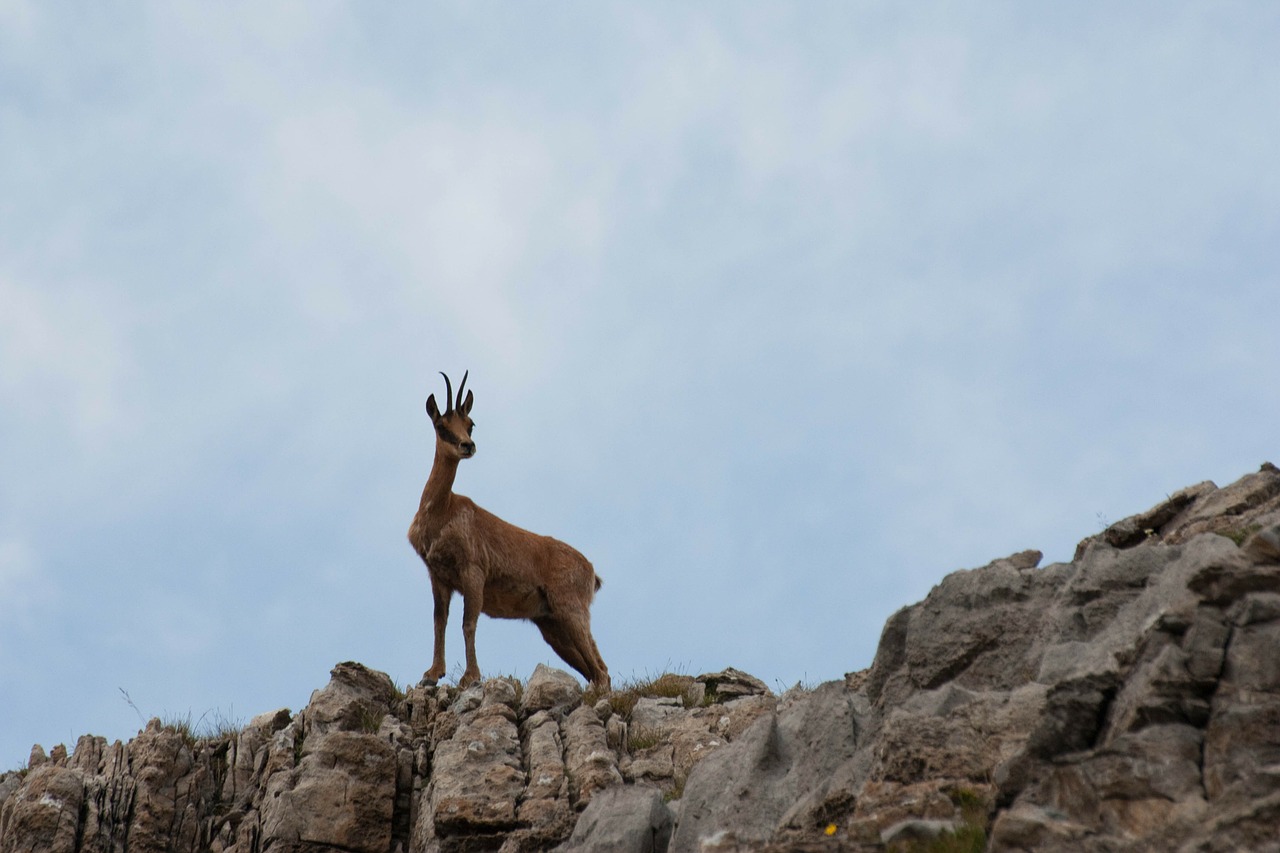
[(776, 312)]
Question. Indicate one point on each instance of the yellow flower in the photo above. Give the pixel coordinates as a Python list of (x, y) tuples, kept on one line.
[(831, 829)]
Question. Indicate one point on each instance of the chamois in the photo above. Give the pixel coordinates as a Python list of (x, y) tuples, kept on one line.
[(499, 569)]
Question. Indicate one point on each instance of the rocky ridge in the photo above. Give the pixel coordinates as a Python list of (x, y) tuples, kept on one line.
[(1126, 700)]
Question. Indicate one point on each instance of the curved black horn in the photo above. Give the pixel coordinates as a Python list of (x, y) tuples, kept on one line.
[(461, 385), (449, 390)]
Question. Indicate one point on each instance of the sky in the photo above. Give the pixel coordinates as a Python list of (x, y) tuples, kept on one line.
[(777, 312)]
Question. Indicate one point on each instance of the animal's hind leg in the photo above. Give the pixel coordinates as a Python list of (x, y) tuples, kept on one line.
[(559, 638), (601, 678), (580, 632)]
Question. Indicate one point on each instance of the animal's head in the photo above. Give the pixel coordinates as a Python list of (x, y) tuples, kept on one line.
[(453, 426)]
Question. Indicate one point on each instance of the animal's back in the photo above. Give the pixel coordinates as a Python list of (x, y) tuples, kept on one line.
[(517, 554)]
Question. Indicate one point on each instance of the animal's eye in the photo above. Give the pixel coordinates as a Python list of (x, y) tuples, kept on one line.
[(470, 427)]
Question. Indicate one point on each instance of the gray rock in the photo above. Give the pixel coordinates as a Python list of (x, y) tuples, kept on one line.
[(784, 759), (341, 795), (1127, 700), (656, 713), (550, 688), (1264, 545), (44, 813), (916, 831), (630, 819), (355, 699), (592, 766), (477, 774), (731, 683)]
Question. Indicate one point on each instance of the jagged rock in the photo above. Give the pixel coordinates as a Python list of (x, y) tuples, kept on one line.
[(656, 713), (1133, 530), (1251, 502), (1116, 702), (654, 765), (341, 794), (916, 831), (44, 812), (544, 804), (1264, 546), (544, 757), (1127, 700), (732, 683), (355, 699), (477, 775), (550, 688), (168, 789), (780, 767), (623, 820), (592, 766)]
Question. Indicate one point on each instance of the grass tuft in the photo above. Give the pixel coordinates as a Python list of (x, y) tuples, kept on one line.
[(623, 699), (640, 738), (1240, 534), (369, 719)]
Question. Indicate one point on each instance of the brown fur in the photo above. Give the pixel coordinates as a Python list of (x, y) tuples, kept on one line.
[(499, 569)]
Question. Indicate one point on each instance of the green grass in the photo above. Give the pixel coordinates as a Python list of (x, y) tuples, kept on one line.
[(966, 839), (1239, 535), (969, 837)]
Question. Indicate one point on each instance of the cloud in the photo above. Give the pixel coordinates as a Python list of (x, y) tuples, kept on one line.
[(63, 361), (776, 314), (25, 593)]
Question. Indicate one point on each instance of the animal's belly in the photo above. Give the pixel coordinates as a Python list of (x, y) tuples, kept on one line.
[(507, 602)]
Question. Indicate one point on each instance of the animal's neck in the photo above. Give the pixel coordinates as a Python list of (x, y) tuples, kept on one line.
[(435, 495)]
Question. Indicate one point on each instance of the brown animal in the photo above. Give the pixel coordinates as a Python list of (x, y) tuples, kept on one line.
[(500, 569)]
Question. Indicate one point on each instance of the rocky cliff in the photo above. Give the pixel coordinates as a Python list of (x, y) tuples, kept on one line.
[(1127, 700)]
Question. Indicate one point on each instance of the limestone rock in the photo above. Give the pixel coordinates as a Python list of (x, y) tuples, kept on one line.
[(623, 820), (592, 766), (355, 699), (341, 794), (44, 813), (784, 761), (732, 683), (477, 775), (1127, 700), (550, 688)]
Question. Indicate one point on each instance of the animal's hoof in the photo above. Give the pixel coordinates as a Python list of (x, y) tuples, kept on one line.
[(428, 681)]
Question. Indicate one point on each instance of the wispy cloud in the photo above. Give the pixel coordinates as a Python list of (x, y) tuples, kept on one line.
[(64, 362), (777, 313)]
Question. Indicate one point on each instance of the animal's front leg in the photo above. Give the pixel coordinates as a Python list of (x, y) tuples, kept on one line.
[(440, 595), (472, 604)]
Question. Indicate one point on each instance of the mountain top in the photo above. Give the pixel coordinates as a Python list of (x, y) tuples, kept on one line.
[(1126, 700)]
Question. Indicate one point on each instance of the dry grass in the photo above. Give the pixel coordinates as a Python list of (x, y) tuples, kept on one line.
[(623, 699)]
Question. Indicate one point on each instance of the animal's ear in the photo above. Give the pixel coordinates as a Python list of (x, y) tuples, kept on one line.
[(466, 405), (432, 409)]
